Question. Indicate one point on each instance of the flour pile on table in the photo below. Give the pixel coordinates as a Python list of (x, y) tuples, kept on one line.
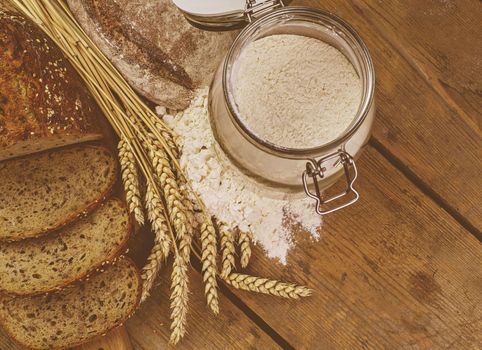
[(231, 196)]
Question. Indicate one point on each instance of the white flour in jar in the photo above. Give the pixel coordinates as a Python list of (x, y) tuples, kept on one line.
[(295, 91), (229, 195)]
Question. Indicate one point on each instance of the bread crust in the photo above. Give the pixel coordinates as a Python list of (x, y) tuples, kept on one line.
[(156, 49), (95, 268), (43, 101), (81, 211), (120, 323)]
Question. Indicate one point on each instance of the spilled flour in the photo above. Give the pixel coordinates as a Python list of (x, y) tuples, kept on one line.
[(229, 195)]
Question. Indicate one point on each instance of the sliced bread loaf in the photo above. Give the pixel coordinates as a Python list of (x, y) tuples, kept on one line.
[(45, 191), (43, 101), (77, 314), (39, 265)]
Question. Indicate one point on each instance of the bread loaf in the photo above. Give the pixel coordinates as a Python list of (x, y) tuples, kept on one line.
[(77, 314), (43, 101), (39, 265), (157, 50), (44, 191)]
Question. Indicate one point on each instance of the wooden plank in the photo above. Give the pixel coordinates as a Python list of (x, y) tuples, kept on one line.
[(393, 271), (416, 124), (116, 339), (413, 279), (444, 42), (149, 328)]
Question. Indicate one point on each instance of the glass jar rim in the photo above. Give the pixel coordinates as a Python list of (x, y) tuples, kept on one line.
[(368, 84)]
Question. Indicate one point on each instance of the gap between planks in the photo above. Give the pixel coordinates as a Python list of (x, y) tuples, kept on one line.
[(424, 187), (434, 85), (397, 163), (435, 191), (411, 177), (243, 307)]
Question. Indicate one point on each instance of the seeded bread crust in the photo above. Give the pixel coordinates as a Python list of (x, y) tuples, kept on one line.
[(129, 264), (44, 103), (35, 280), (82, 210)]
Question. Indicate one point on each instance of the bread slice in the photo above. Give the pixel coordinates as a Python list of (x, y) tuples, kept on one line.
[(45, 191), (77, 314), (39, 265), (43, 101)]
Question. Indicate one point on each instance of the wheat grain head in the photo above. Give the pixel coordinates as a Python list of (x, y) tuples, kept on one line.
[(130, 179), (267, 286), (208, 259)]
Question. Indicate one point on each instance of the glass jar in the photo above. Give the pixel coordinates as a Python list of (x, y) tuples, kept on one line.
[(311, 170)]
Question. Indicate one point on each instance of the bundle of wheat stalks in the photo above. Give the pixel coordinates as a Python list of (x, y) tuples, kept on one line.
[(155, 185)]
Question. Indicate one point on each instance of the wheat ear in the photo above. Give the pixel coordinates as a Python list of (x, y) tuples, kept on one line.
[(188, 203), (157, 217), (169, 136), (150, 271), (245, 247), (130, 179), (172, 195), (179, 299), (162, 242), (267, 286), (228, 251), (208, 259)]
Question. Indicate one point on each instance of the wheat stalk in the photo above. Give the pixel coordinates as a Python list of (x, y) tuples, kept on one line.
[(267, 286), (174, 199), (228, 251), (208, 259), (130, 179), (179, 299), (245, 248)]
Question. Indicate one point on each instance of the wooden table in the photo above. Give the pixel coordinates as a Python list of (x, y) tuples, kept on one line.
[(402, 269)]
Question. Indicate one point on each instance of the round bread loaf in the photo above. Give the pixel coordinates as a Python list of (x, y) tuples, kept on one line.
[(156, 49)]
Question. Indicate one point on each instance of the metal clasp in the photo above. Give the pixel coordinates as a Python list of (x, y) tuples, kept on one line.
[(259, 7), (315, 170)]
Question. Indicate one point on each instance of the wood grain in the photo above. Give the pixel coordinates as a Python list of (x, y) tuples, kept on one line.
[(394, 272), (149, 328), (117, 339), (417, 125), (443, 41)]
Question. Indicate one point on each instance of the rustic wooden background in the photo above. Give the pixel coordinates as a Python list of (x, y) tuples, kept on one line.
[(402, 269)]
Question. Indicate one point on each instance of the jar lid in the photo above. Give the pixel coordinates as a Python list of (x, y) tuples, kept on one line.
[(225, 14)]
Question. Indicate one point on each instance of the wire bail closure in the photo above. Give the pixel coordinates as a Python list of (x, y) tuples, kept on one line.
[(315, 170), (258, 8)]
